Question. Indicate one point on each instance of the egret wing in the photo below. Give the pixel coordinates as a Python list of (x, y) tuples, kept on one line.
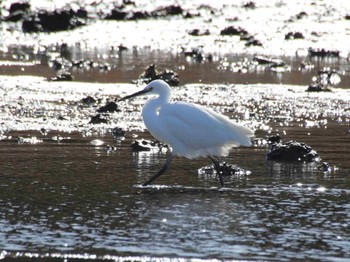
[(201, 131)]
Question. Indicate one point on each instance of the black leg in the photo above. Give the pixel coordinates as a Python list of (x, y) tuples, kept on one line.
[(217, 168), (161, 171)]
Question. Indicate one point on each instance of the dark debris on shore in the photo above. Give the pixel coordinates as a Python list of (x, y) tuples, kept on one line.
[(79, 14), (151, 73), (69, 18), (45, 21), (147, 145), (325, 80), (73, 16)]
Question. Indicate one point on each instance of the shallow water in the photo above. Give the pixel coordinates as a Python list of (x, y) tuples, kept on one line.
[(66, 196), (76, 200)]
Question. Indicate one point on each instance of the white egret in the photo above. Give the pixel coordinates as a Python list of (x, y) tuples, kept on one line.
[(191, 130)]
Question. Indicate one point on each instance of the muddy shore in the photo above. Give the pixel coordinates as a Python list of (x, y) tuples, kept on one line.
[(202, 42)]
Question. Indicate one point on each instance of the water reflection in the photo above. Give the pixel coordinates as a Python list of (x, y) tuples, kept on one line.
[(74, 198), (280, 170)]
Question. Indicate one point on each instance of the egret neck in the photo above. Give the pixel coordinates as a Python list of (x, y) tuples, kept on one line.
[(151, 110)]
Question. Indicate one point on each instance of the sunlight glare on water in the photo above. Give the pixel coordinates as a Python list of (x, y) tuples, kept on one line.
[(89, 198), (70, 188)]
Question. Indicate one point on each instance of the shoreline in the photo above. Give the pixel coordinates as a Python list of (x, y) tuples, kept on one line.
[(127, 66)]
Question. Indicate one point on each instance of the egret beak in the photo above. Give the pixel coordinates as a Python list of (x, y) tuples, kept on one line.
[(135, 94)]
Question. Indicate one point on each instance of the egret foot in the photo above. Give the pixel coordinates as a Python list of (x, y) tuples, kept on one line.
[(217, 169)]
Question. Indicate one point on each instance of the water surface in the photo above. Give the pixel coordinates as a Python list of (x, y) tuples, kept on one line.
[(62, 197), (71, 198)]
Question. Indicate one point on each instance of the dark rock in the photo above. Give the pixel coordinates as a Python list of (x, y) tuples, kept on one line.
[(60, 63), (128, 2), (167, 11), (43, 131), (250, 5), (197, 32), (347, 17), (301, 15), (231, 30), (274, 139), (294, 35), (141, 145), (265, 60), (88, 100), (31, 25), (225, 169), (251, 41), (118, 132), (98, 119), (25, 6), (146, 145), (170, 77), (121, 48), (195, 54), (274, 64), (110, 107), (188, 15), (229, 169), (318, 87), (262, 142), (323, 53), (18, 11), (325, 79), (61, 118), (117, 14), (81, 13), (138, 15), (151, 74), (317, 34), (306, 65), (65, 76), (324, 167), (292, 151), (58, 20), (246, 37)]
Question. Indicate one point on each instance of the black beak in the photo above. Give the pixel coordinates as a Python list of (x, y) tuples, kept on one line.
[(134, 94)]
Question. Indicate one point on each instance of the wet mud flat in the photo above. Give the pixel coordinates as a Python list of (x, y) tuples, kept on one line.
[(240, 42), (70, 180)]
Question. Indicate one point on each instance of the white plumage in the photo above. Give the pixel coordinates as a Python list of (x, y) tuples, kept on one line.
[(190, 129)]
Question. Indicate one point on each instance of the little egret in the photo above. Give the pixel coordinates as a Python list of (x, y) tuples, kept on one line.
[(190, 129)]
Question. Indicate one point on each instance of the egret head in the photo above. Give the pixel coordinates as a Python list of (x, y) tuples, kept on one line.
[(156, 87)]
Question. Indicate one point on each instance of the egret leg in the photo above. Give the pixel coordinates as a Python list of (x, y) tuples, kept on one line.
[(161, 171), (217, 168)]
